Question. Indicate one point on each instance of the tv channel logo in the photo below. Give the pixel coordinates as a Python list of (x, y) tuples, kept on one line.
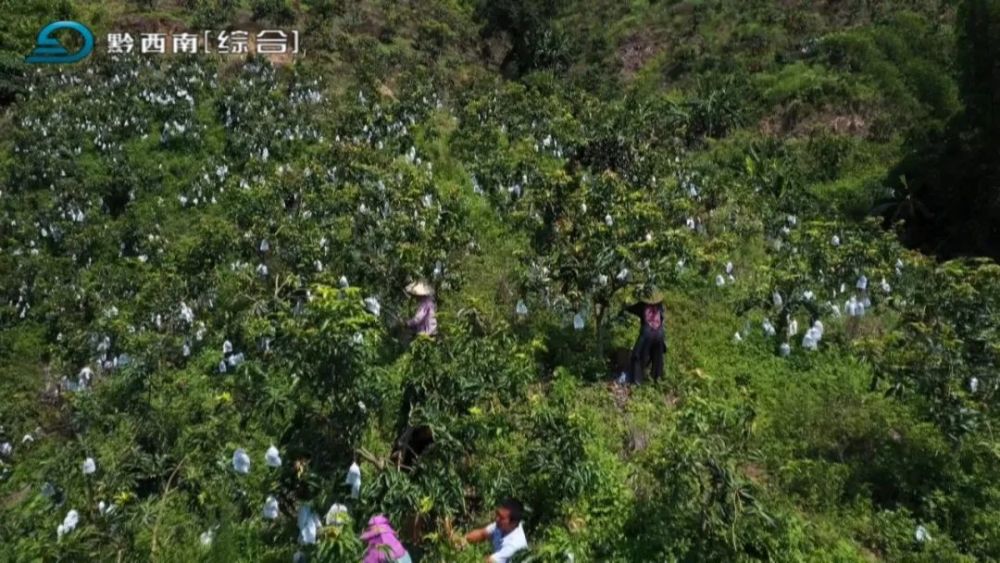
[(49, 50)]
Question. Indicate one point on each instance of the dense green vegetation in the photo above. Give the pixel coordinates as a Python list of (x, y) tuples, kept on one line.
[(203, 254)]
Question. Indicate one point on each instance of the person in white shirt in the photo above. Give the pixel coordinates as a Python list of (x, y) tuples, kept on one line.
[(505, 533)]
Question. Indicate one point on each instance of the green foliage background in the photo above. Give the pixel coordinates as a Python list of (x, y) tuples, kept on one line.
[(560, 155)]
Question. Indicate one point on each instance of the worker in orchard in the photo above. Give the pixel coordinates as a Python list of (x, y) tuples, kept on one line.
[(383, 545), (505, 533), (651, 345), (425, 320)]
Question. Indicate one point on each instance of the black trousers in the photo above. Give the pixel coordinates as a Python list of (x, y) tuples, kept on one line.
[(650, 347)]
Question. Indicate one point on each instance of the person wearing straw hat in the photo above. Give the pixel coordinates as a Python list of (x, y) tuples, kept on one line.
[(651, 344), (383, 545), (425, 320)]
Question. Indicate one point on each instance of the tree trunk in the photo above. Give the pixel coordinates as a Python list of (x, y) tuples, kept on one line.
[(601, 310)]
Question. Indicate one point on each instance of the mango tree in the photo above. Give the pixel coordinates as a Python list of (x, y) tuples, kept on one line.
[(609, 236)]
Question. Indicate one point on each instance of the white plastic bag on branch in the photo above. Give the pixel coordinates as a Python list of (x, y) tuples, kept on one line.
[(271, 508), (521, 308), (818, 325), (373, 306), (810, 341), (354, 480), (336, 516), (69, 524), (854, 308), (768, 328), (241, 461), (272, 458), (309, 525)]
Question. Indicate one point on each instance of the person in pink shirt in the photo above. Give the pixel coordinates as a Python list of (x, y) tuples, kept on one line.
[(383, 545), (425, 320)]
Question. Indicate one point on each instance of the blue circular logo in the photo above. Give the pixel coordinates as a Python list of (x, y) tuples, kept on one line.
[(48, 49)]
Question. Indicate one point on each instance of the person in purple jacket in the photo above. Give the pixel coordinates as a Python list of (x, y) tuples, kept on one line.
[(383, 545), (425, 320)]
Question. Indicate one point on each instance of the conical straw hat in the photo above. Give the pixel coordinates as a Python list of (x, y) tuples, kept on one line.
[(650, 297), (420, 289)]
